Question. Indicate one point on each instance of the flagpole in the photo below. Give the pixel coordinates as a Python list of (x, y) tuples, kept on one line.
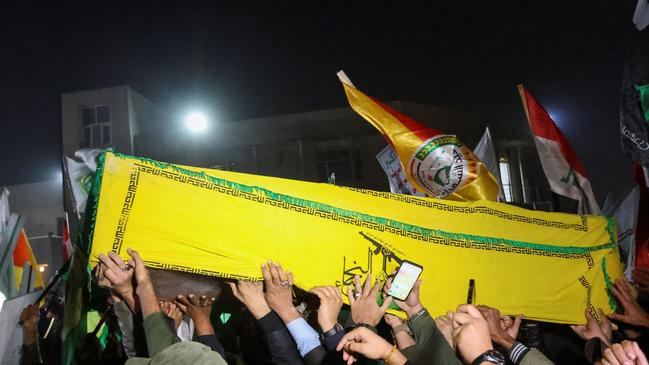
[(521, 92)]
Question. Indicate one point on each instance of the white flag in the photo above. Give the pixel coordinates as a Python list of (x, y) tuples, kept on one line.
[(79, 176), (4, 209), (625, 213), (396, 177), (486, 152)]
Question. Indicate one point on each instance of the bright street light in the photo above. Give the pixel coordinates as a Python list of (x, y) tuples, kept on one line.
[(196, 122)]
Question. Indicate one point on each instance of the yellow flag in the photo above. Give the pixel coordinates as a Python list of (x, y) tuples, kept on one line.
[(548, 266), (435, 163)]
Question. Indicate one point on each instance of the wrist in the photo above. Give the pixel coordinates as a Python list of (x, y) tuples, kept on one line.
[(504, 341), (204, 328), (327, 325), (414, 310), (258, 309), (288, 314)]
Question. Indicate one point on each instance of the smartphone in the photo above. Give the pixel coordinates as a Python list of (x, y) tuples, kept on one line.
[(404, 280)]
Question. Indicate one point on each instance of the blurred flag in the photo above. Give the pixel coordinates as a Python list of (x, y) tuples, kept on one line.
[(23, 254), (438, 164), (66, 242), (486, 152), (642, 227), (625, 213), (79, 176), (634, 101), (562, 168), (396, 176)]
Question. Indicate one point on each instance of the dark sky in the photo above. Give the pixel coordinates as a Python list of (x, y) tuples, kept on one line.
[(246, 59)]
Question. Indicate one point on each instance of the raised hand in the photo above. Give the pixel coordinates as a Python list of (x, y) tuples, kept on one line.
[(330, 304), (471, 333), (634, 314), (279, 295), (251, 294), (29, 322), (445, 326), (171, 310), (363, 304), (144, 288), (627, 352), (412, 303), (367, 343), (118, 273), (198, 309), (503, 330), (592, 329)]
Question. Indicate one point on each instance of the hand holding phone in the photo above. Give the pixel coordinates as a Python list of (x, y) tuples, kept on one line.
[(405, 280)]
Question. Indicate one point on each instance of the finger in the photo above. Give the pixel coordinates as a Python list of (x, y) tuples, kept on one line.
[(620, 294), (137, 260), (375, 290), (289, 277), (450, 314), (461, 318), (386, 304), (470, 310), (367, 286), (618, 317), (193, 299), (265, 272), (619, 353), (110, 275), (602, 316), (350, 296), (182, 307), (203, 301), (627, 346), (234, 289), (641, 358), (517, 324), (116, 259), (387, 286), (610, 357), (108, 262), (183, 300), (274, 274), (280, 272), (577, 328), (357, 283)]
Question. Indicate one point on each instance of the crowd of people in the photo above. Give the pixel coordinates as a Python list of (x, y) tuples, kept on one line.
[(280, 324)]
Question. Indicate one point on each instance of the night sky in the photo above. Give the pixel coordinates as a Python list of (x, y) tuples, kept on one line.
[(242, 60)]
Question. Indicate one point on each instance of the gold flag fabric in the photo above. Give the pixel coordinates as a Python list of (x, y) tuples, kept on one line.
[(435, 163), (547, 266)]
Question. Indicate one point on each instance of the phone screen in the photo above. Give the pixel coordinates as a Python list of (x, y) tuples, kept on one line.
[(404, 280)]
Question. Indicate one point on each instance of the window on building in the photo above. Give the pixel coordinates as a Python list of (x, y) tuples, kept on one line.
[(505, 179), (96, 125), (345, 163)]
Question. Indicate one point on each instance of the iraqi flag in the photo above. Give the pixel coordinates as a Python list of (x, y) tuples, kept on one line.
[(562, 168), (435, 163), (66, 242)]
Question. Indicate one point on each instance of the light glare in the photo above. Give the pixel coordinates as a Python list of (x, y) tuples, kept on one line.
[(196, 122)]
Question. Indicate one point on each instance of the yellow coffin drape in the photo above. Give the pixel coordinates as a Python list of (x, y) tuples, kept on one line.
[(548, 266)]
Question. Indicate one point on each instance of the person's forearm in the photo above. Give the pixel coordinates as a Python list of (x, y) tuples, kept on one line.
[(148, 300), (29, 336), (403, 340), (258, 308), (414, 310), (203, 327), (288, 314)]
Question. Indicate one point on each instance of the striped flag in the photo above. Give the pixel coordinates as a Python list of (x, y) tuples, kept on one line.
[(435, 163), (23, 254), (562, 168), (66, 242)]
